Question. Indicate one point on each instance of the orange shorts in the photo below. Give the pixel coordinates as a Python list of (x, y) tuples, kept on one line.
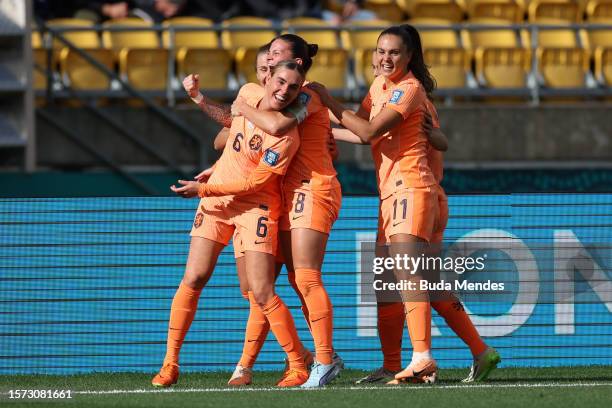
[(411, 211), (258, 231), (442, 220), (312, 209), (239, 248)]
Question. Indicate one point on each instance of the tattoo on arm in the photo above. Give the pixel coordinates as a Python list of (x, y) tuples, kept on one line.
[(220, 113)]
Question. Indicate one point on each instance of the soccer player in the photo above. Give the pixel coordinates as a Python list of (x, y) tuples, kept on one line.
[(313, 198), (242, 193), (391, 119)]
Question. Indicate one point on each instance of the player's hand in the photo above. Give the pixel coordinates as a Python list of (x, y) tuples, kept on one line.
[(427, 125), (204, 175), (187, 189), (321, 90), (237, 106), (191, 83)]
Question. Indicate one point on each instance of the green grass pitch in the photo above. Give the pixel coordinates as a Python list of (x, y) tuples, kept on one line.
[(513, 387)]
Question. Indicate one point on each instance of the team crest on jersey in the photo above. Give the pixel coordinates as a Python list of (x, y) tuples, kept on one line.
[(304, 98), (199, 219), (255, 142), (271, 157), (396, 96)]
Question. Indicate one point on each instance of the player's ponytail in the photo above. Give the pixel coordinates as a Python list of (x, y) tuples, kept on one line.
[(300, 49)]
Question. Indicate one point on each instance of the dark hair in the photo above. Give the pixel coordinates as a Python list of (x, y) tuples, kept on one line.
[(412, 40), (288, 64), (262, 50), (300, 49)]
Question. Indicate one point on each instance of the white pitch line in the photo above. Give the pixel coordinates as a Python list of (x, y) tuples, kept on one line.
[(412, 388)]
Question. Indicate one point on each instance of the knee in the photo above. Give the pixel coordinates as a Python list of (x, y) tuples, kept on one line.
[(262, 296), (306, 280), (194, 281)]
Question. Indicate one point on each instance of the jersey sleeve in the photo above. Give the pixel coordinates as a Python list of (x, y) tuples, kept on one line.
[(307, 103), (251, 92), (433, 113), (406, 97), (278, 151)]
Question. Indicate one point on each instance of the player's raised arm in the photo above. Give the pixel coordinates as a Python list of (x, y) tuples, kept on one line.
[(220, 113)]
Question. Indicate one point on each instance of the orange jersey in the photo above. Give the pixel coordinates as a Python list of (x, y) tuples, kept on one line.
[(435, 157), (400, 155), (246, 148), (313, 162)]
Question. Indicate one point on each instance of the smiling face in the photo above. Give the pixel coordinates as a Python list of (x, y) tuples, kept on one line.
[(392, 57), (282, 88), (279, 51), (261, 67)]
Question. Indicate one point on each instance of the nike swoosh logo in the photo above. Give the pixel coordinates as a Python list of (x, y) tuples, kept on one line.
[(417, 373), (299, 216), (395, 224), (260, 242)]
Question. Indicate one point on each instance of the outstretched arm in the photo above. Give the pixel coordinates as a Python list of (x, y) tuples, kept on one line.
[(273, 123), (219, 112), (345, 135)]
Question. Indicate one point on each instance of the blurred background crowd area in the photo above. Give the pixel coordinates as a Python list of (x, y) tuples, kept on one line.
[(91, 101)]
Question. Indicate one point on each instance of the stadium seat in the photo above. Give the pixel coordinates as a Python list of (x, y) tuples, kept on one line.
[(436, 38), (591, 38), (385, 9), (192, 38), (245, 65), (553, 37), (213, 65), (144, 68), (599, 11), (563, 67), (79, 74), (118, 40), (447, 10), (324, 38), (553, 10), (365, 35), (502, 67), (329, 67), (498, 37), (234, 40), (603, 65), (505, 10), (448, 66), (39, 79), (83, 39)]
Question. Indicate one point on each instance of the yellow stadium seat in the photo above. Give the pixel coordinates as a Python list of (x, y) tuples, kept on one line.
[(553, 10), (118, 40), (503, 67), (233, 40), (366, 35), (603, 65), (563, 67), (37, 41), (599, 11), (245, 65), (438, 38), (213, 65), (405, 5), (39, 78), (82, 39), (191, 38), (145, 69), (385, 9), (447, 10), (82, 75), (324, 38), (363, 66), (448, 66), (498, 37), (553, 37), (329, 67), (592, 38), (506, 10)]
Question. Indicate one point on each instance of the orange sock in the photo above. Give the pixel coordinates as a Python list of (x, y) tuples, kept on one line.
[(182, 312), (459, 321), (320, 311), (304, 307), (418, 316), (390, 321), (257, 329), (283, 327)]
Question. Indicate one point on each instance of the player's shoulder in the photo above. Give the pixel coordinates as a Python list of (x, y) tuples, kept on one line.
[(251, 89), (378, 85), (308, 96)]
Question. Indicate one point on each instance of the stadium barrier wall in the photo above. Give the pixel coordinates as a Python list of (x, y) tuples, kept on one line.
[(87, 283)]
